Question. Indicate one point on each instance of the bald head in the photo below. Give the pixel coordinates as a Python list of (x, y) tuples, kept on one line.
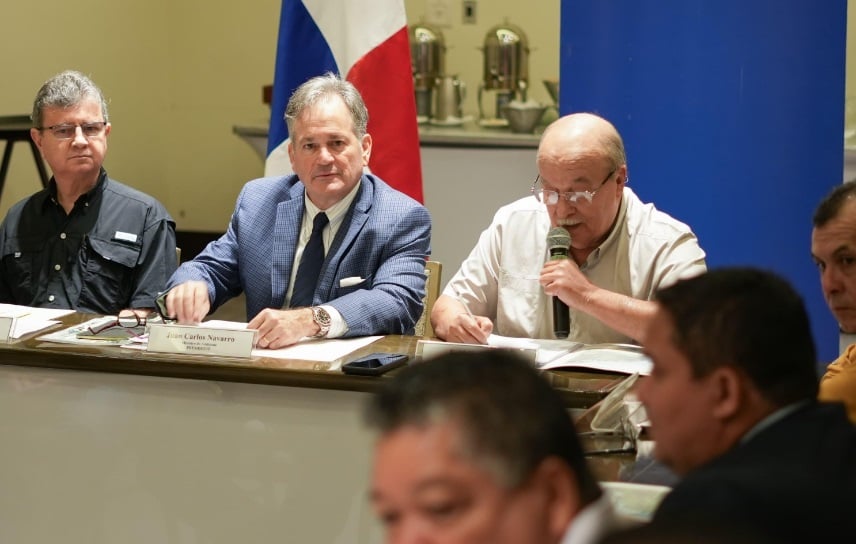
[(580, 136)]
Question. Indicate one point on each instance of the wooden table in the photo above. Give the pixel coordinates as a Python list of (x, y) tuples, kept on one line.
[(105, 445), (579, 389)]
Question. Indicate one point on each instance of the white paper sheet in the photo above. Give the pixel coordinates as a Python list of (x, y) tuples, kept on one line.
[(31, 319), (307, 349), (319, 350), (547, 350)]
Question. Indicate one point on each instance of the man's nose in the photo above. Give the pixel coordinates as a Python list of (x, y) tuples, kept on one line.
[(79, 138), (564, 207), (324, 155), (830, 280), (411, 532)]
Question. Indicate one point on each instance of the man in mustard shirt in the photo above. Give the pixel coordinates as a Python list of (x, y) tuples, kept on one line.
[(833, 248)]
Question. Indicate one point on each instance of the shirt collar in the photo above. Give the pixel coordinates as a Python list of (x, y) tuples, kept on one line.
[(51, 197), (614, 234), (334, 212), (592, 522), (772, 419)]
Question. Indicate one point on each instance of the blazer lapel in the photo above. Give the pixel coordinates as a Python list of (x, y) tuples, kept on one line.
[(289, 215), (355, 220)]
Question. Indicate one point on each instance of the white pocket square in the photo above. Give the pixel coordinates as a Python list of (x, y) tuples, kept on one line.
[(348, 282)]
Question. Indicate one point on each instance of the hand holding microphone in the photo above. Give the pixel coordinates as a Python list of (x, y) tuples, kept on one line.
[(558, 244)]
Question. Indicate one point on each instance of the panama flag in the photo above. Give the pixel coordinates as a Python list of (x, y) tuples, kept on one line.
[(366, 42)]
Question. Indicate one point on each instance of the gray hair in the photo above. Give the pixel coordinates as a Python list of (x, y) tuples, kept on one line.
[(321, 88), (64, 90)]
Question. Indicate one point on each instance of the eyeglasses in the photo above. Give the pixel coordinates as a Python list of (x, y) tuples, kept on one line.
[(122, 322), (551, 198), (66, 132)]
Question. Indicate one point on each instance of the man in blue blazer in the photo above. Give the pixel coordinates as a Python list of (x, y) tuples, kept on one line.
[(369, 278), (733, 410)]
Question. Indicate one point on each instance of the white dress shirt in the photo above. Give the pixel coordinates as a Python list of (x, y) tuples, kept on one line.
[(646, 250)]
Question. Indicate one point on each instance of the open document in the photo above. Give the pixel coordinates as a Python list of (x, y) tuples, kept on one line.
[(539, 351), (621, 358), (552, 354)]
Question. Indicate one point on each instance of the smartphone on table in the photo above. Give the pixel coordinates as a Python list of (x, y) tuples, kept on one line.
[(375, 364)]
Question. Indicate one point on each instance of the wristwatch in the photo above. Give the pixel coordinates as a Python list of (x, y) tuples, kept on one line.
[(322, 318)]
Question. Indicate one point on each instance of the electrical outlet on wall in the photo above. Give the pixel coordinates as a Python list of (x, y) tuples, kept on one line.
[(438, 12), (469, 15)]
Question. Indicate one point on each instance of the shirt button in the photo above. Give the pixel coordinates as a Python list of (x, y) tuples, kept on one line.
[(62, 236), (51, 298), (57, 267)]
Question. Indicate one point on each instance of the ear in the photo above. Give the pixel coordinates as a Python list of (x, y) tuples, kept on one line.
[(36, 135), (366, 144), (727, 391), (621, 176), (561, 495), (290, 148)]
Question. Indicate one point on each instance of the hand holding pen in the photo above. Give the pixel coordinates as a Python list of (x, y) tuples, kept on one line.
[(469, 328)]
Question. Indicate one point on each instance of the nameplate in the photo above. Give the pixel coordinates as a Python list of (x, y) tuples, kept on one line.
[(7, 325), (200, 340)]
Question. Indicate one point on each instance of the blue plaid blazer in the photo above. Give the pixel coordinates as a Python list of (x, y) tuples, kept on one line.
[(384, 238)]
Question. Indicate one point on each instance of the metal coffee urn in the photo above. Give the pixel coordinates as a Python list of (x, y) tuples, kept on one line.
[(506, 69), (427, 58)]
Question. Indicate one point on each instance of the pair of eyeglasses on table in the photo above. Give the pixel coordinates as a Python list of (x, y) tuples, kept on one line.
[(119, 328)]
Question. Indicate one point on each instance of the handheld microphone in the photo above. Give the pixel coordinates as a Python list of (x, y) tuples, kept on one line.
[(558, 243)]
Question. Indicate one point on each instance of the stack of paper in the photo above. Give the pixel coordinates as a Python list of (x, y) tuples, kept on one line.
[(29, 319)]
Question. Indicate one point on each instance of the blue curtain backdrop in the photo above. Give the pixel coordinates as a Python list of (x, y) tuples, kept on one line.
[(732, 116)]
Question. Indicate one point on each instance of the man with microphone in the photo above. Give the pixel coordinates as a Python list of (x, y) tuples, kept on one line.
[(522, 276)]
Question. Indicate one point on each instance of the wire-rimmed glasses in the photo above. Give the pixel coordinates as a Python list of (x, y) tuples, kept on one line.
[(551, 198), (67, 131)]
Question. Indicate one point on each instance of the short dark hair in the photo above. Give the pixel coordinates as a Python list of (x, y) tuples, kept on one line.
[(831, 205), (750, 319), (509, 416)]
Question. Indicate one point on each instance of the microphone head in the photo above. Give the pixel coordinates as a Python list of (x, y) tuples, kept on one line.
[(558, 238)]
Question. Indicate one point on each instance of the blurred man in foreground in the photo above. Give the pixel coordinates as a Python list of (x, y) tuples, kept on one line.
[(733, 408), (478, 448)]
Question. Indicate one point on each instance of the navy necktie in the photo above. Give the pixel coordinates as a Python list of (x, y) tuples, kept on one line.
[(309, 270)]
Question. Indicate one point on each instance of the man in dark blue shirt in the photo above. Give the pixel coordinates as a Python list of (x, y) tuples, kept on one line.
[(85, 242)]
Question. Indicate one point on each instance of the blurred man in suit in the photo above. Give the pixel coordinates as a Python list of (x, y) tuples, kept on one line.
[(369, 242), (478, 448), (732, 400), (833, 248), (85, 242)]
